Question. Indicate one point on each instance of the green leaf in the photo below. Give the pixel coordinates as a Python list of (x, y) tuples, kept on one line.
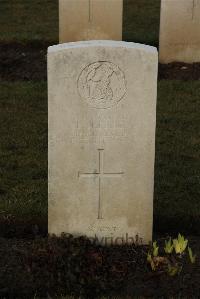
[(155, 249), (168, 246), (180, 244), (191, 255)]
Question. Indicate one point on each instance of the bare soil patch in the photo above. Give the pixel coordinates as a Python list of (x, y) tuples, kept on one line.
[(29, 62), (66, 265), (179, 71), (23, 62)]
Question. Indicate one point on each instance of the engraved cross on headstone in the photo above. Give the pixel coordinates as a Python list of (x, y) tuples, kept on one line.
[(101, 175), (89, 11), (195, 7)]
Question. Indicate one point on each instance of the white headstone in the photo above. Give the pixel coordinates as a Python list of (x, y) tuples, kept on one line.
[(90, 19), (180, 31), (102, 118)]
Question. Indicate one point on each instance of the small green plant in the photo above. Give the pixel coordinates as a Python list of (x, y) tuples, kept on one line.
[(180, 244), (168, 246), (191, 255), (153, 258), (149, 257), (155, 249), (173, 270), (172, 261), (150, 261)]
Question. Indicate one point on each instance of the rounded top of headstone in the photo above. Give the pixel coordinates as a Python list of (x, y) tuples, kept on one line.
[(102, 43)]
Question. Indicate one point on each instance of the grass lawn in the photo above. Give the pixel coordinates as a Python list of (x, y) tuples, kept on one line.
[(23, 149), (141, 19), (177, 168), (23, 171), (27, 21)]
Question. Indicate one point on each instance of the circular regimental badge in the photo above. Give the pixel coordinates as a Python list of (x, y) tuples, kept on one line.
[(102, 84)]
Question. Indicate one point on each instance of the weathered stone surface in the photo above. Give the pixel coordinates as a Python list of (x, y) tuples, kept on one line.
[(180, 31), (90, 19), (102, 118)]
